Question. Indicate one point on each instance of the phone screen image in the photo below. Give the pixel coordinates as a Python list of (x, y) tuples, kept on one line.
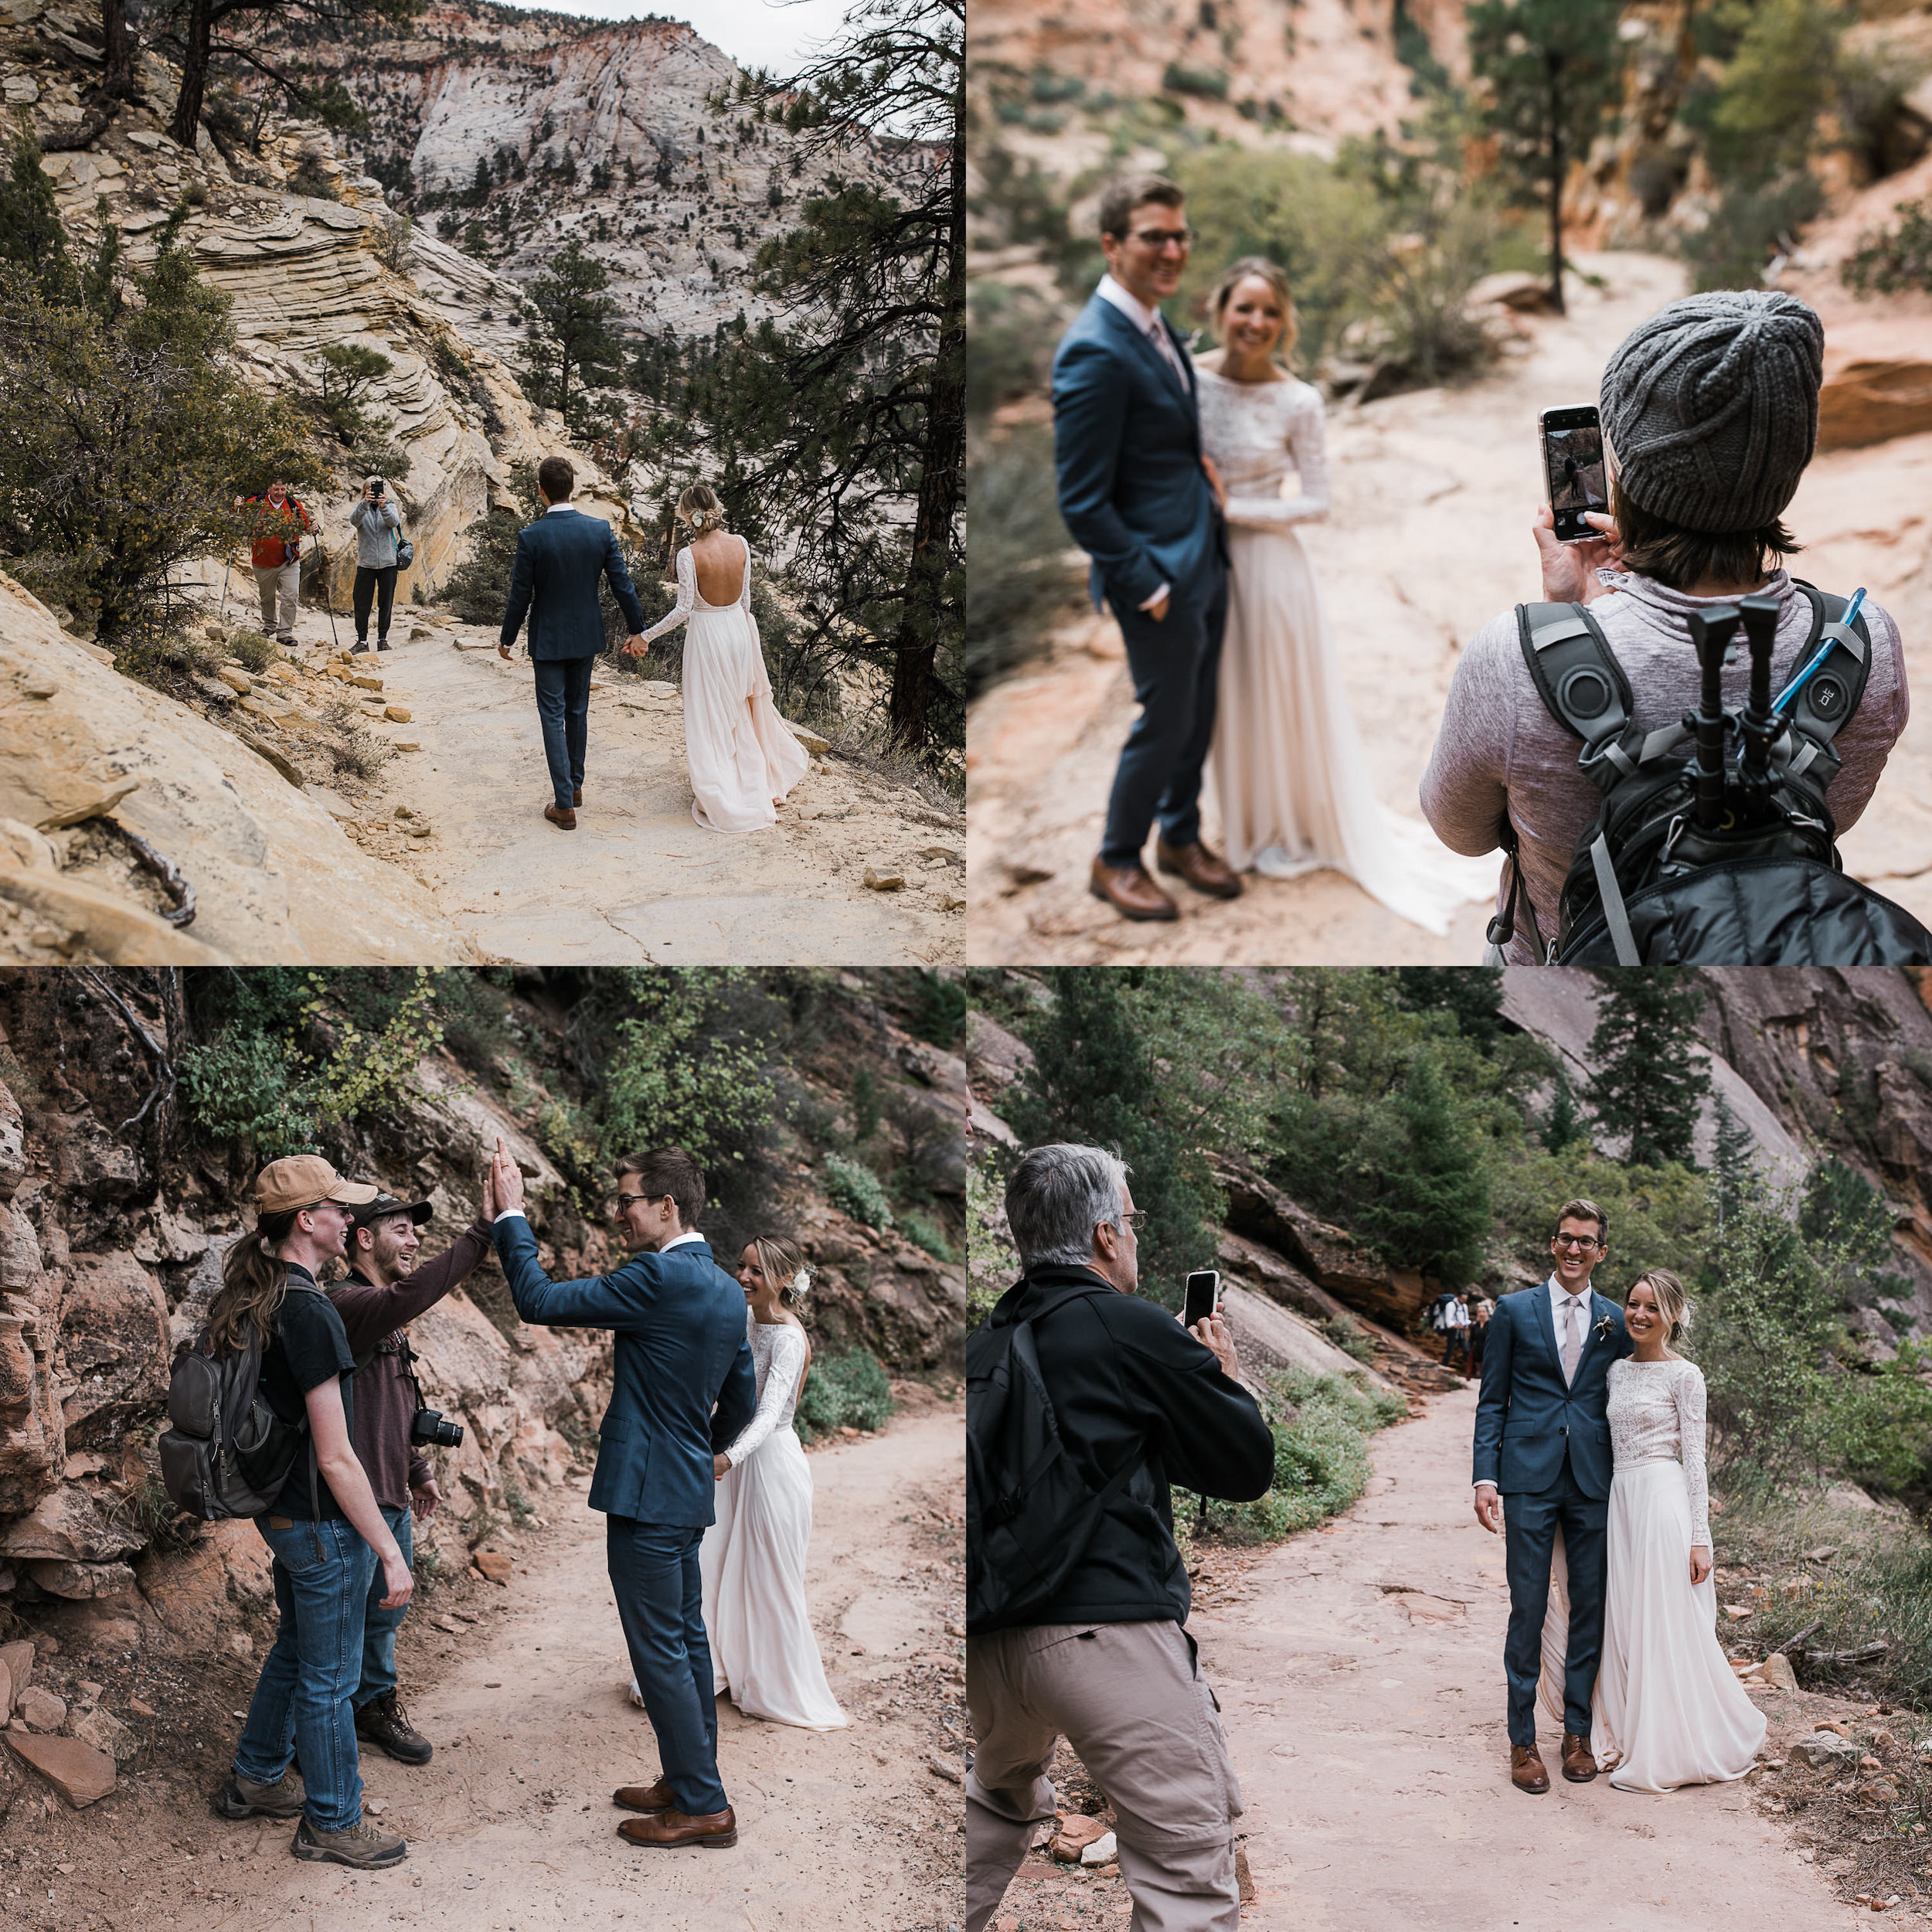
[(1203, 1296), (1574, 461)]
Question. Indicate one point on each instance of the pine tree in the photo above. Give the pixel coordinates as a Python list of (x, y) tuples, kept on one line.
[(1473, 994), (1563, 1124), (1431, 1208), (480, 187), (1732, 1169), (1548, 72), (1648, 1082), (570, 332)]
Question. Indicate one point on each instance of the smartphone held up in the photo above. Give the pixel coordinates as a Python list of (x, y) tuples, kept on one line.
[(1574, 477), (1203, 1297)]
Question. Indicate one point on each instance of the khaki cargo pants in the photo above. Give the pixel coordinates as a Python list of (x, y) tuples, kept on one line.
[(279, 583), (1132, 1701)]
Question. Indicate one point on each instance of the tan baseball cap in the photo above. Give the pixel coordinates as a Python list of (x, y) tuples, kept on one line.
[(302, 1180)]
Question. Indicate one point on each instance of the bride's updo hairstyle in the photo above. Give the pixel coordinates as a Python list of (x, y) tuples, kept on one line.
[(783, 1263), (699, 508), (1277, 278), (1672, 1302)]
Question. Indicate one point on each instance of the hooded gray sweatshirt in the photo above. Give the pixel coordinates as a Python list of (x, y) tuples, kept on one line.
[(375, 527)]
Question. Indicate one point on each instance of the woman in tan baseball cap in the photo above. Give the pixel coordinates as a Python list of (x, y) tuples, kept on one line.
[(324, 1526)]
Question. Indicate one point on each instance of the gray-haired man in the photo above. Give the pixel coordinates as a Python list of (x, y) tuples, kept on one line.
[(1107, 1663)]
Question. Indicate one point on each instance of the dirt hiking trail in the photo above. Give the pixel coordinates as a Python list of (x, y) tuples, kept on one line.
[(510, 1826), (1428, 538), (1359, 1672), (638, 881)]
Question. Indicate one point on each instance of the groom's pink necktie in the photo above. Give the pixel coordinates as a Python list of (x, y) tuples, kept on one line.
[(1573, 1335)]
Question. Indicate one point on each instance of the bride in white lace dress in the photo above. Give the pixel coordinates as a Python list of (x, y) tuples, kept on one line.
[(1288, 770), (1668, 1709), (743, 759), (754, 1557)]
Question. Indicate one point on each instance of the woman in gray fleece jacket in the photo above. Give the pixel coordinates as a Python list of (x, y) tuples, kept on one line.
[(377, 520), (1710, 412)]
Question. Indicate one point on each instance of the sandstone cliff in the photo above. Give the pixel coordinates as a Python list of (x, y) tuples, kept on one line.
[(114, 1218)]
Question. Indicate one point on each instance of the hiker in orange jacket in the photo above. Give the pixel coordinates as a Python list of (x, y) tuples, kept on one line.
[(281, 521)]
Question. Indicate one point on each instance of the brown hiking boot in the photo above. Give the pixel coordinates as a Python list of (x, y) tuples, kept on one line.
[(382, 1721), (1199, 867), (1129, 891), (645, 1797), (364, 1846), (1526, 1771), (1580, 1763), (669, 1830), (562, 817), (242, 1797)]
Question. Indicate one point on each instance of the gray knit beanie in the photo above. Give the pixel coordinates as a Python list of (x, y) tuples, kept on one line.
[(1711, 407)]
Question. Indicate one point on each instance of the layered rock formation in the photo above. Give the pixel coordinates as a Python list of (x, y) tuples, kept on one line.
[(112, 1238)]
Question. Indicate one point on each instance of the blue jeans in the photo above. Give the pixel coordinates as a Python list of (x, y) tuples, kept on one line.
[(380, 1626), (1177, 666), (654, 1569), (563, 707), (302, 1703)]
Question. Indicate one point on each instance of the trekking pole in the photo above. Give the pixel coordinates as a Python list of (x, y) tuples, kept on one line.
[(1761, 723), (328, 602), (1711, 631)]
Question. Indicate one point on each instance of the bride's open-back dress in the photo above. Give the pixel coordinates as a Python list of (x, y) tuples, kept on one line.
[(742, 756), (1288, 770), (1668, 1708), (752, 1558)]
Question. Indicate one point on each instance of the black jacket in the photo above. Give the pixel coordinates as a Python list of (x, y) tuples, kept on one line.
[(1122, 1372)]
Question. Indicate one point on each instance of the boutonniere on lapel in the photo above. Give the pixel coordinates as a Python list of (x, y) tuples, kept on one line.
[(1605, 1327)]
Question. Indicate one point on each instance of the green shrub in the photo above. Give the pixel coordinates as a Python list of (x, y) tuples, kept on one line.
[(849, 1391), (922, 1228), (1894, 261), (939, 1008), (854, 1188), (1348, 1336), (1204, 84), (253, 650), (1019, 585)]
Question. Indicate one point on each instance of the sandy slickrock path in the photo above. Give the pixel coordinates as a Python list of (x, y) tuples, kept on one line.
[(1428, 538), (510, 1826), (1359, 1670), (639, 881)]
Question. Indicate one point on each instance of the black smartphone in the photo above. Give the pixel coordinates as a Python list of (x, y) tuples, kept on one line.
[(1573, 475), (1203, 1296)]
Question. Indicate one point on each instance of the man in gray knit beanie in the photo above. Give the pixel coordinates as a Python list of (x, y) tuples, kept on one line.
[(1710, 408)]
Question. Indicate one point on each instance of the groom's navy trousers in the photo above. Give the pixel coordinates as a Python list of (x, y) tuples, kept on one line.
[(1530, 1524), (563, 709)]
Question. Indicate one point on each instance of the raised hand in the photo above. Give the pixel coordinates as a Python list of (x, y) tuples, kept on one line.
[(489, 1189), (507, 1180), (1569, 569)]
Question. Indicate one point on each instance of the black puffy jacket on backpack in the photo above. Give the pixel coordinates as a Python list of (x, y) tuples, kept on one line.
[(1129, 1386)]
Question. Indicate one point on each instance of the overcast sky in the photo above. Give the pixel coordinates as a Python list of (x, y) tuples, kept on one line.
[(756, 33)]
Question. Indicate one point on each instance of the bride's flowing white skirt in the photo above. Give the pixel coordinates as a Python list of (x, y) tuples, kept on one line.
[(1288, 764), (753, 1563), (741, 755), (1668, 1703)]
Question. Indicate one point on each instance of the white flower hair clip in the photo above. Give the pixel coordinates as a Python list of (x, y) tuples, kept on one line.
[(794, 1289)]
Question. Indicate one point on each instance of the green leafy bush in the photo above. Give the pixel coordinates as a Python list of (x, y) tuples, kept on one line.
[(1347, 1334), (849, 1391), (253, 650), (1894, 261), (1020, 584), (853, 1188), (924, 1228)]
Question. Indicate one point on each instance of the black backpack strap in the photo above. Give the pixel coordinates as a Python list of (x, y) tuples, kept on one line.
[(1832, 692), (1502, 928), (1576, 674)]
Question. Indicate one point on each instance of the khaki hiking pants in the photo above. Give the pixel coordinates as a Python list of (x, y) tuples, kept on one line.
[(279, 583), (1132, 1701)]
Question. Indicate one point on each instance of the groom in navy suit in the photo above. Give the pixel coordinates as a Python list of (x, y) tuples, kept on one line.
[(559, 559), (683, 1387), (1542, 1457), (1136, 497)]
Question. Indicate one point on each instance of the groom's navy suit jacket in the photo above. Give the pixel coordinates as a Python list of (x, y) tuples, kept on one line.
[(1528, 1422), (680, 1322), (559, 559), (1127, 447)]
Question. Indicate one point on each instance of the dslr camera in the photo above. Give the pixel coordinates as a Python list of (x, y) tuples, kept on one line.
[(427, 1425)]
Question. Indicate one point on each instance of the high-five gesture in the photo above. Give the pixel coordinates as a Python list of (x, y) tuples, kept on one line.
[(506, 1182)]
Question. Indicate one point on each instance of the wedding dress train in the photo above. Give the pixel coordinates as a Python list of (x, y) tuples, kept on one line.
[(1668, 1709), (741, 755), (754, 1557), (1288, 770)]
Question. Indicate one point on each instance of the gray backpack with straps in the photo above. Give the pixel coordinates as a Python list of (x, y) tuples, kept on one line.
[(1714, 845)]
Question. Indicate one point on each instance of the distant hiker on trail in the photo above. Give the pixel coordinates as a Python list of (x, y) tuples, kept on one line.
[(377, 520), (559, 559), (281, 521)]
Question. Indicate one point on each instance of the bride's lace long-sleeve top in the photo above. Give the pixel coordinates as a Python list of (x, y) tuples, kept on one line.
[(689, 601), (1255, 433), (1656, 1414), (778, 1353)]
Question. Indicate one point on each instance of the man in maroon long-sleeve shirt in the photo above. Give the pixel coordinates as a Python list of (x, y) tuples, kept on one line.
[(385, 1291)]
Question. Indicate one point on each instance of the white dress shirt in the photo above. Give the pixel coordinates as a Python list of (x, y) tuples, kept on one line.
[(1147, 321)]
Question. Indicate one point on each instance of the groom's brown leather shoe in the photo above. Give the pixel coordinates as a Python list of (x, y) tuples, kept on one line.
[(562, 817), (1129, 891), (1579, 1765), (1199, 867), (1526, 1771), (645, 1797), (577, 796), (670, 1829)]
